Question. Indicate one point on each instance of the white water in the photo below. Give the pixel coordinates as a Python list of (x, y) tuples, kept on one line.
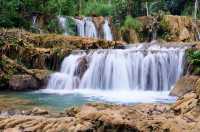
[(137, 74), (90, 29), (80, 24), (34, 21), (63, 24), (107, 31), (86, 28), (195, 9)]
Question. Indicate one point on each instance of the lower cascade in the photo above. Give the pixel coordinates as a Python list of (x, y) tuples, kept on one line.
[(138, 68)]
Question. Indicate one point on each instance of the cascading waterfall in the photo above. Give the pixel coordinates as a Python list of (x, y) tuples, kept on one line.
[(138, 68), (63, 24), (107, 31)]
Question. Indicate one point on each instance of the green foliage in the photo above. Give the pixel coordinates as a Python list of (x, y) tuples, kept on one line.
[(53, 26), (61, 7), (132, 23), (97, 9), (193, 58), (71, 26)]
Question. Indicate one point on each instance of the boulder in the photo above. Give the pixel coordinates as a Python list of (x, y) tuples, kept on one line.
[(39, 111), (23, 82), (130, 36), (184, 85)]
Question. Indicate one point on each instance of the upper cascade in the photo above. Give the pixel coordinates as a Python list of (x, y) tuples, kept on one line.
[(85, 27), (142, 67)]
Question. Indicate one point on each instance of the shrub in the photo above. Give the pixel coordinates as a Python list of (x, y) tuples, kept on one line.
[(193, 58), (132, 23), (98, 9)]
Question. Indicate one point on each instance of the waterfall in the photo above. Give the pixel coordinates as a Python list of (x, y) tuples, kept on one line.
[(198, 35), (63, 24), (147, 8), (142, 68), (90, 29), (86, 27), (195, 9), (34, 19), (80, 27), (107, 31)]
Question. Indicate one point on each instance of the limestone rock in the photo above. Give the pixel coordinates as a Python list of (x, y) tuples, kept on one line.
[(39, 111), (184, 85), (23, 82)]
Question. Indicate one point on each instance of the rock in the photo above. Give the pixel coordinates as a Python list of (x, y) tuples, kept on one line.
[(179, 28), (39, 111), (23, 82), (130, 36), (197, 88), (38, 79), (184, 34), (13, 130), (184, 85), (42, 76)]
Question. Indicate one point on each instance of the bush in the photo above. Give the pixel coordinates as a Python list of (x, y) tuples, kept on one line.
[(53, 26), (98, 9), (193, 58), (13, 20), (132, 23)]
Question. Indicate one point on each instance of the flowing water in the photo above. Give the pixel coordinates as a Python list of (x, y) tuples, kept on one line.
[(34, 19), (137, 74), (63, 24), (86, 28), (107, 31), (196, 9)]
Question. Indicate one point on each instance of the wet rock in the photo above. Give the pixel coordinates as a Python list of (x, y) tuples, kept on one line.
[(23, 82), (130, 36), (184, 85)]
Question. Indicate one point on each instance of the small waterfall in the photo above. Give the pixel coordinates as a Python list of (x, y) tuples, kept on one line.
[(90, 29), (80, 27), (107, 31), (195, 9), (86, 28), (63, 24), (147, 8), (198, 35), (34, 19), (143, 68)]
